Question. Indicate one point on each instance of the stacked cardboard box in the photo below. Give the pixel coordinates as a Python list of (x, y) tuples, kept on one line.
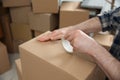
[(15, 3), (43, 22), (71, 14), (49, 61), (19, 69), (43, 6), (4, 61), (20, 14), (21, 33), (20, 25), (24, 20)]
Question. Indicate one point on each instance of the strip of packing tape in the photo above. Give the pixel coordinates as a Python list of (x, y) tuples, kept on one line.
[(67, 46)]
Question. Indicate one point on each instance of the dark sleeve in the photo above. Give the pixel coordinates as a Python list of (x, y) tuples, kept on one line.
[(110, 21)]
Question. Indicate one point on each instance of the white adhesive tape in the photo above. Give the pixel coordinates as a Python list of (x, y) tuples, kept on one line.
[(67, 46)]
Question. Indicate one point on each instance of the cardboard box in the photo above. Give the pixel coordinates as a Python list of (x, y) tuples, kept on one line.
[(43, 22), (21, 32), (71, 14), (49, 61), (4, 61), (15, 3), (19, 69), (7, 40), (20, 14), (43, 6), (105, 40)]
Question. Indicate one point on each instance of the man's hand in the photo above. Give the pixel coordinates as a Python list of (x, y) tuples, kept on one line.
[(81, 42), (55, 35)]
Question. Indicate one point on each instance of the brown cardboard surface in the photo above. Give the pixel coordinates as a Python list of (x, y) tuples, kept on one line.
[(105, 40), (21, 32), (49, 61), (19, 69), (43, 22), (8, 41), (15, 3), (43, 6), (4, 61), (71, 14), (20, 14)]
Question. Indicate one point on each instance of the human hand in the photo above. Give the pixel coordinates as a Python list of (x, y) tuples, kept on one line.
[(81, 42), (55, 35)]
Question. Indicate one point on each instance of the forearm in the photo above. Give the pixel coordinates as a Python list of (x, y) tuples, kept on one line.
[(108, 63), (91, 25)]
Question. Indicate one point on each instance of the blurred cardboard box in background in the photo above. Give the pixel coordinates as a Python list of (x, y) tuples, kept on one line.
[(20, 14), (45, 6), (71, 14), (15, 3), (4, 60), (21, 32), (43, 22), (104, 40)]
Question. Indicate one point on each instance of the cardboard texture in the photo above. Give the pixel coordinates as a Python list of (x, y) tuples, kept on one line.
[(43, 22), (49, 61), (19, 69), (105, 40), (21, 32), (71, 14), (15, 3), (20, 14), (4, 61), (42, 6), (8, 41)]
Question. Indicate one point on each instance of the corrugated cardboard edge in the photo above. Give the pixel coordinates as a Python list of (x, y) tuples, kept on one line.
[(19, 69)]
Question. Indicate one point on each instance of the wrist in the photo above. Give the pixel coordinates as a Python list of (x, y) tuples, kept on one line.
[(97, 49)]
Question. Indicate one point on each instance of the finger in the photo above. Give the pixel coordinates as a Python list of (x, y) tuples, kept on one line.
[(69, 36), (45, 37), (72, 43), (56, 37), (66, 35)]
